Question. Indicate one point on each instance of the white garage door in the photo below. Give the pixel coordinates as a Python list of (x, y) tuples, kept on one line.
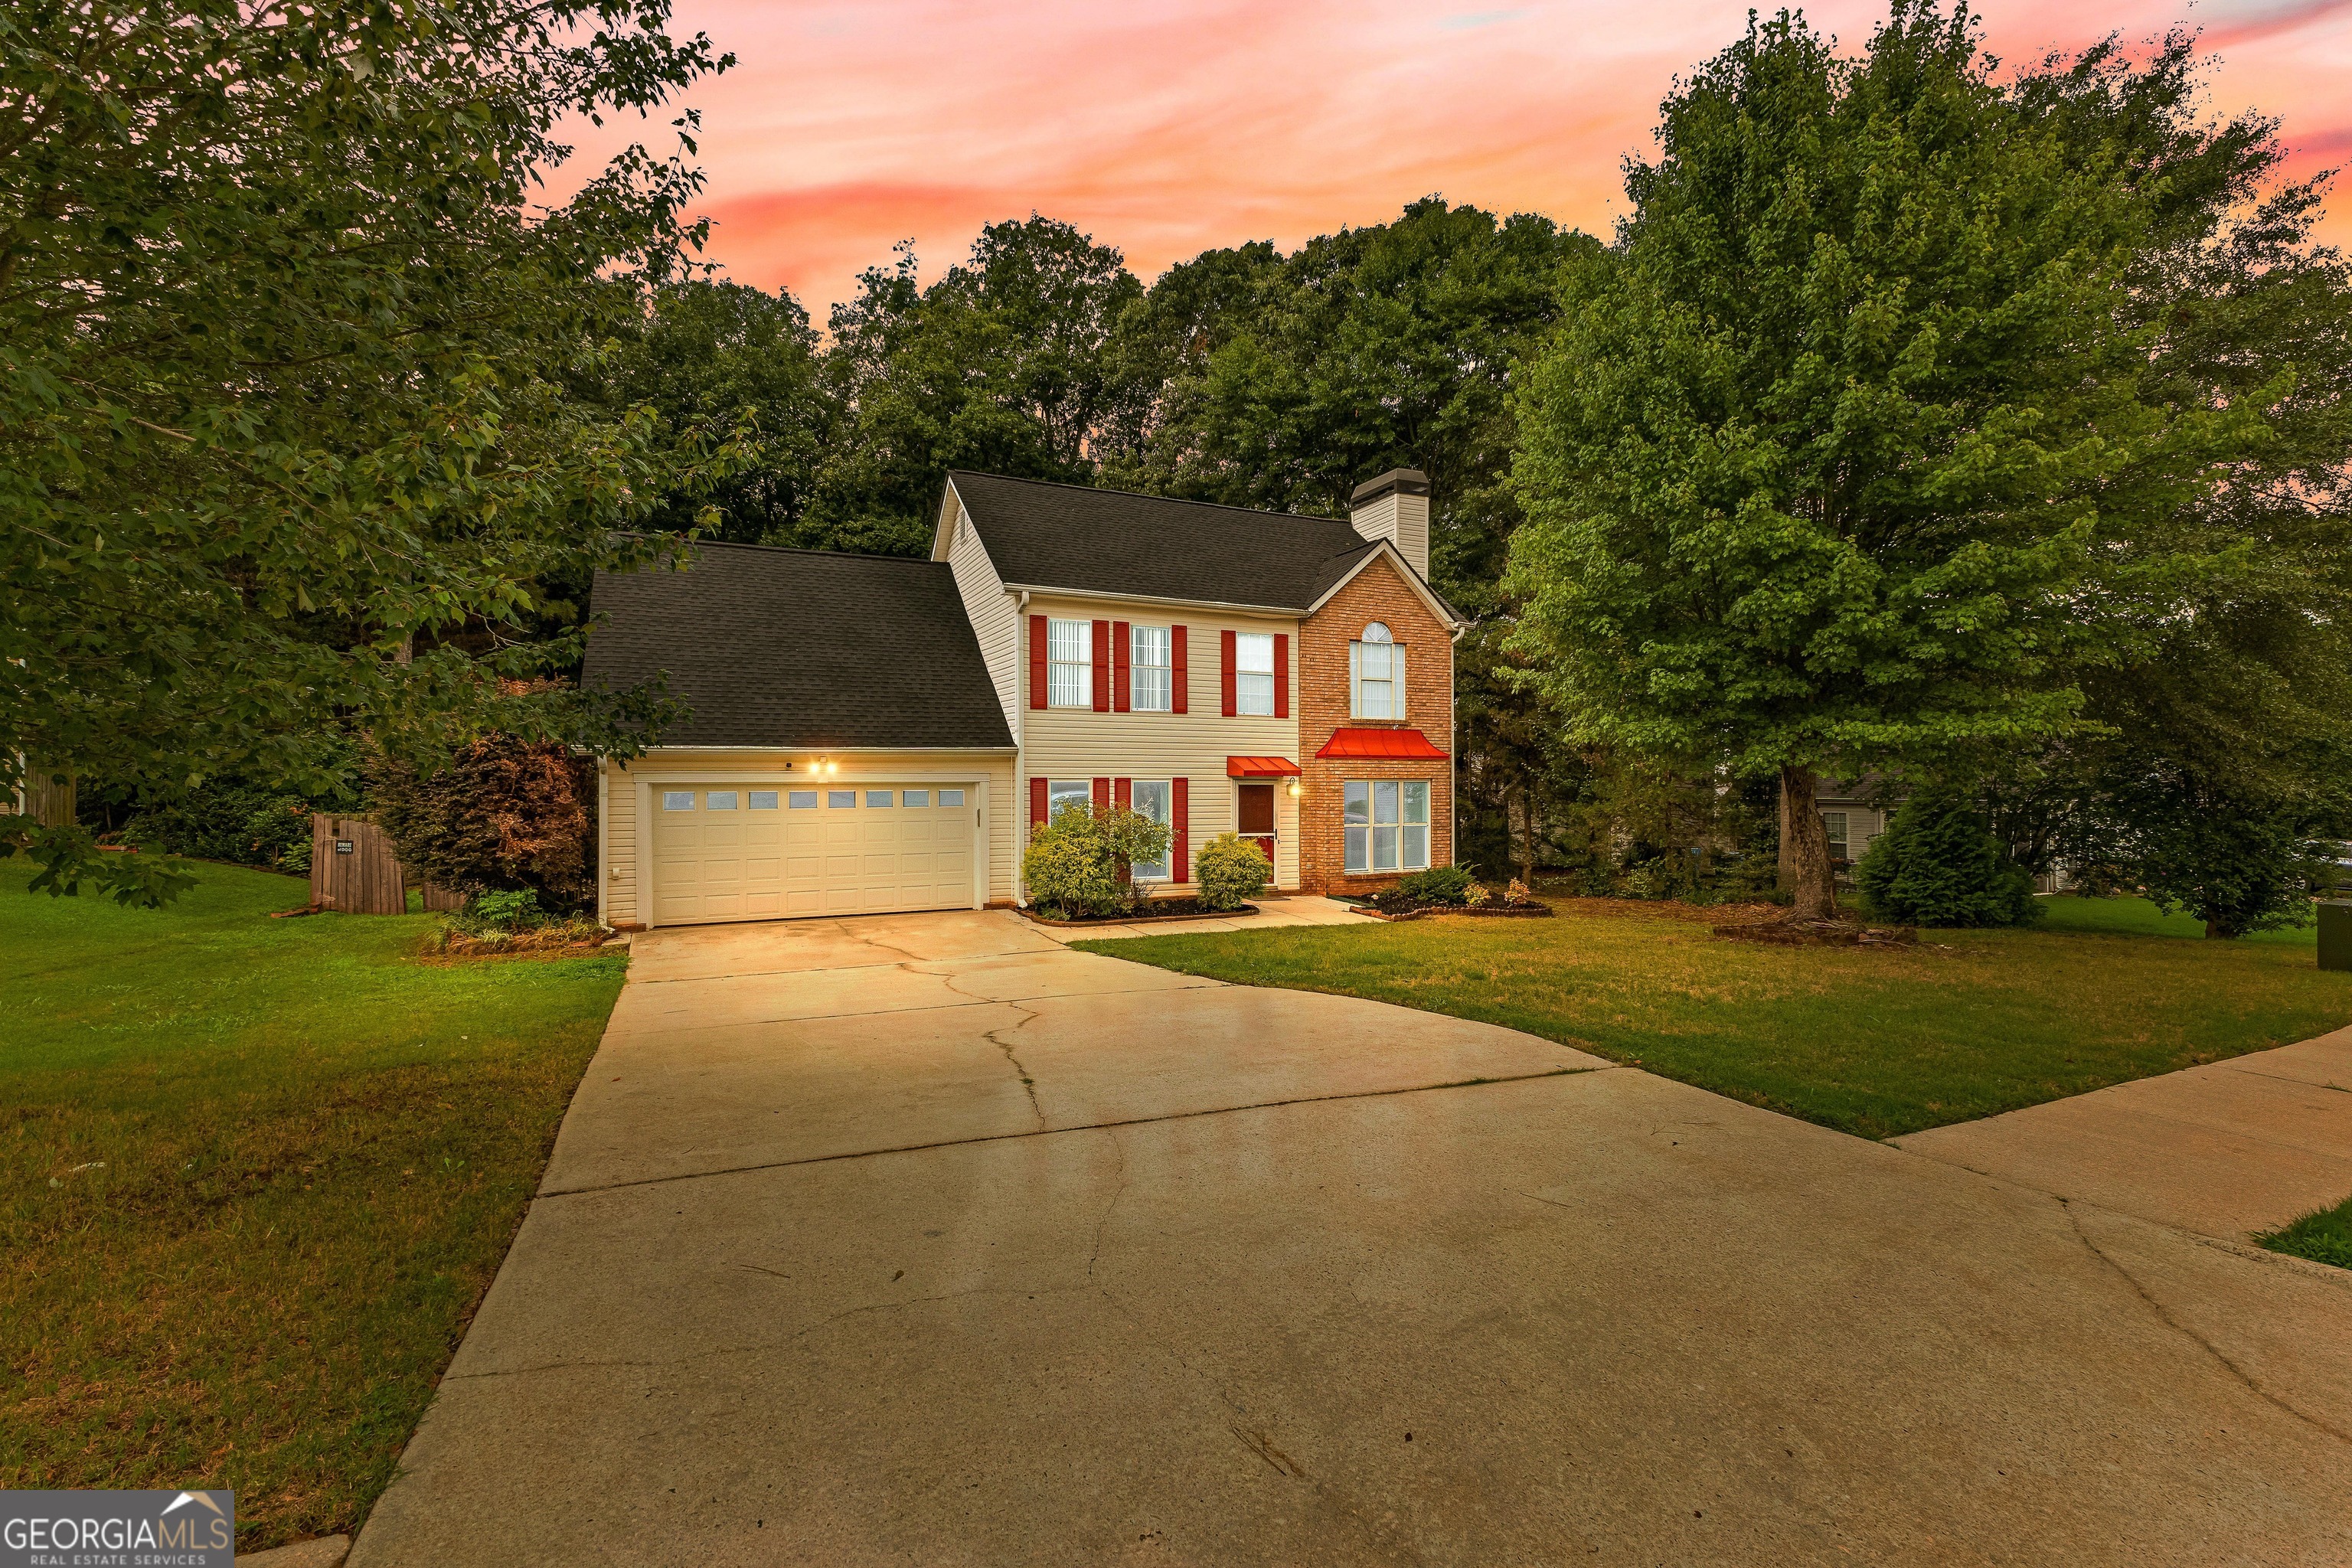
[(756, 852)]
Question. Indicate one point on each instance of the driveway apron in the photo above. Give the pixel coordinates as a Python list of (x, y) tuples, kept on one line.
[(923, 1239)]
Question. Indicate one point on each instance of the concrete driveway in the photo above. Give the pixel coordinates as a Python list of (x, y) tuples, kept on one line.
[(924, 1241)]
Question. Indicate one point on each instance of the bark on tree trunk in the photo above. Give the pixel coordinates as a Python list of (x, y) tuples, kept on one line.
[(1805, 848), (1527, 838), (2216, 932), (1786, 878)]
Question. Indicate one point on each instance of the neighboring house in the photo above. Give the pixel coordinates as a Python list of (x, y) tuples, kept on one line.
[(1852, 815), (873, 734)]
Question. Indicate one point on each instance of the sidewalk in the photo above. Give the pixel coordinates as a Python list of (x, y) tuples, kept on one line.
[(2225, 1150)]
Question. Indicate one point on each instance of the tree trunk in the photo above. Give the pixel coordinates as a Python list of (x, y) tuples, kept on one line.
[(2216, 932), (1527, 838), (1805, 848), (1786, 878)]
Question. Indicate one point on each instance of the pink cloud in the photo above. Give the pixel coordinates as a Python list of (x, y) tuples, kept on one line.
[(1165, 127)]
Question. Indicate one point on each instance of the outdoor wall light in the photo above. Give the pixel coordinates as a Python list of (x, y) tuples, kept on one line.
[(1297, 789)]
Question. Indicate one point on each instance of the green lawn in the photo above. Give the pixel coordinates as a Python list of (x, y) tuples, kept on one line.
[(259, 1173), (2324, 1235), (1878, 1042)]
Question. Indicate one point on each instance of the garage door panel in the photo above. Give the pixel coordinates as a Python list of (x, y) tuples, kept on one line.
[(824, 852)]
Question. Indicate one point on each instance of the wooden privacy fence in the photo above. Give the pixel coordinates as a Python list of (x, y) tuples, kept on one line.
[(355, 870)]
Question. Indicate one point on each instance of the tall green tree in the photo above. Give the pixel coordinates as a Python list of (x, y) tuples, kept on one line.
[(283, 346), (1005, 364), (710, 354), (1848, 458)]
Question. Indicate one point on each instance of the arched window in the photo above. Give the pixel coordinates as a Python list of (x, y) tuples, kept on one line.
[(1375, 676)]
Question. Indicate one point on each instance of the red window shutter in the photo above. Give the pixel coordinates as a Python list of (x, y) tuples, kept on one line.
[(1102, 794), (1036, 803), (1227, 662), (1178, 683), (1282, 674), (1123, 664), (1122, 792), (1179, 826), (1102, 666), (1037, 664)]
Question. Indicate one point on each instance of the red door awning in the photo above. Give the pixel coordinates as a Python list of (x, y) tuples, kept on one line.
[(1385, 745), (1261, 768)]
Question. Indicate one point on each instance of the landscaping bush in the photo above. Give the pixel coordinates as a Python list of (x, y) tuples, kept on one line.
[(1081, 862), (1936, 865), (1438, 885), (1230, 872), (231, 820), (504, 816)]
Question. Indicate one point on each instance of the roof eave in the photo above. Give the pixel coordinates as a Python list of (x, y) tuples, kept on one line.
[(1291, 612)]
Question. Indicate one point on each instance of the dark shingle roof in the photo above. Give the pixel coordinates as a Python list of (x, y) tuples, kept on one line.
[(800, 648), (1048, 535)]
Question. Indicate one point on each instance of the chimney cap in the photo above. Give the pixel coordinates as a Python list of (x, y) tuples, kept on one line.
[(1405, 481)]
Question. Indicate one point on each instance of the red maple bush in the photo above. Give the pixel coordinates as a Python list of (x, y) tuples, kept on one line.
[(504, 815)]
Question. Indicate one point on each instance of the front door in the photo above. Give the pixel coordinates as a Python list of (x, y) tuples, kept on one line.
[(1257, 817)]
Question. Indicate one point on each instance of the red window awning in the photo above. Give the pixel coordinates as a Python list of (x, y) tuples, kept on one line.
[(1261, 768), (1383, 746)]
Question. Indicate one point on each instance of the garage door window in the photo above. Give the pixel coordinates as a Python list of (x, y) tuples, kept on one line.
[(877, 798), (677, 800), (915, 798), (722, 800), (840, 799), (764, 800), (951, 797), (801, 799)]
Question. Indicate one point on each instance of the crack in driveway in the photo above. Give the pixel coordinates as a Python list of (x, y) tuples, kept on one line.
[(2252, 1384)]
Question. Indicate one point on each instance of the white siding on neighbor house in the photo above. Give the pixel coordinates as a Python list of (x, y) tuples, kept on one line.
[(626, 860), (1072, 743), (995, 619)]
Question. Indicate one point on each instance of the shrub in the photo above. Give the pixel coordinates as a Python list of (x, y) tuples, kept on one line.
[(504, 816), (505, 909), (1230, 872), (229, 819), (1081, 862), (1438, 885), (1936, 866)]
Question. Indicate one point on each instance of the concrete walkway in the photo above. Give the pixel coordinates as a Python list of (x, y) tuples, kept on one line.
[(926, 1240), (2224, 1150)]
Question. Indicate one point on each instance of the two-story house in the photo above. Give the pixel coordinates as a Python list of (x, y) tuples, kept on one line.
[(872, 734)]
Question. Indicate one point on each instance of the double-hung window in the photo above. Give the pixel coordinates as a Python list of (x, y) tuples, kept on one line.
[(1834, 822), (1070, 664), (1149, 689), (1387, 824), (1151, 796), (1253, 674), (1375, 675)]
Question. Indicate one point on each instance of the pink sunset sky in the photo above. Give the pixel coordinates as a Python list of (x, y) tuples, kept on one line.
[(1166, 127)]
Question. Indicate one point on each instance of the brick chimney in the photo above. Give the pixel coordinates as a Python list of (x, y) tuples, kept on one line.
[(1395, 507)]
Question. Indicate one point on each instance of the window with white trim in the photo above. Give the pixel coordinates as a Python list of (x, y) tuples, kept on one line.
[(1151, 797), (764, 800), (1386, 823), (1253, 674), (1375, 675), (722, 800), (840, 799), (1070, 664), (677, 800), (1834, 823), (800, 799), (951, 797), (1149, 688)]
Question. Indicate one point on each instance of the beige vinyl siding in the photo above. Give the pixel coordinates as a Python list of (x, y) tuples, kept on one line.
[(996, 618), (1069, 744), (623, 870)]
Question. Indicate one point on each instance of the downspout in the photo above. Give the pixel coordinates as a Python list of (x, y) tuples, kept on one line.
[(1020, 741), (1454, 746)]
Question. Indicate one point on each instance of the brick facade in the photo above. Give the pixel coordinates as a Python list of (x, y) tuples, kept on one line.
[(1380, 592)]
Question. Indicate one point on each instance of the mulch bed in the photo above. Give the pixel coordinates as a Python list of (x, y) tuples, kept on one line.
[(1819, 933), (1480, 911), (552, 941), (1151, 913)]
